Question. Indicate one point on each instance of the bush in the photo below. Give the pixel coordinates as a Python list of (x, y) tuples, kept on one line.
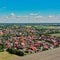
[(7, 50), (51, 42), (56, 46), (1, 48), (10, 50), (44, 49), (15, 51), (20, 53)]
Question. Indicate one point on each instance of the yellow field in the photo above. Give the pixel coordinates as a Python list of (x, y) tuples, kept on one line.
[(7, 56)]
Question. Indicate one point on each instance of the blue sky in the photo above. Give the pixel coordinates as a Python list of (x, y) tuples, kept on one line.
[(25, 11)]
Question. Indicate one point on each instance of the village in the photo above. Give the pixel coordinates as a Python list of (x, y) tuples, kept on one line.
[(27, 39)]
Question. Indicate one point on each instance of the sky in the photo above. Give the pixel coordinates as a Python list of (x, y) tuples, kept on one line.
[(29, 11)]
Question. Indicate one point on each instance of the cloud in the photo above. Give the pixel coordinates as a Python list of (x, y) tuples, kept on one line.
[(6, 17), (38, 17), (2, 18), (33, 14), (18, 16), (22, 17), (25, 16), (11, 17), (12, 14), (51, 16), (35, 18)]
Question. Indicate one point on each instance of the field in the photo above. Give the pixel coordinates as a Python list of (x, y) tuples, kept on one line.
[(7, 56), (46, 55), (57, 34)]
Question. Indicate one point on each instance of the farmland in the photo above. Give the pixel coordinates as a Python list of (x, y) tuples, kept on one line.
[(57, 34)]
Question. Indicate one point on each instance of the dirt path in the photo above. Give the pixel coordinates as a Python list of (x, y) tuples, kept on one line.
[(46, 55)]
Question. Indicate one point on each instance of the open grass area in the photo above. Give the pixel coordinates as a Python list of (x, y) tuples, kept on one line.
[(7, 56), (56, 34), (46, 27)]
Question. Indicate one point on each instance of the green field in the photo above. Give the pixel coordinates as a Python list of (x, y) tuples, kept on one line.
[(56, 34)]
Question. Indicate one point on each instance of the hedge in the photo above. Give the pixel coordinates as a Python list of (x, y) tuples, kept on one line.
[(15, 51), (51, 42), (1, 48), (20, 53)]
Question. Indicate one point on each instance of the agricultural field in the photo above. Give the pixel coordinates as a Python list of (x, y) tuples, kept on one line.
[(56, 34)]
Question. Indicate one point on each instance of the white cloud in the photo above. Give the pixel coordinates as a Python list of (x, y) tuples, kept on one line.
[(12, 14), (25, 16), (6, 17), (18, 16), (33, 14), (51, 16), (35, 18), (2, 18), (22, 17), (38, 17)]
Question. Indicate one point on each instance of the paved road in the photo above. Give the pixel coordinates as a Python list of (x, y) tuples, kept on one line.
[(46, 55)]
